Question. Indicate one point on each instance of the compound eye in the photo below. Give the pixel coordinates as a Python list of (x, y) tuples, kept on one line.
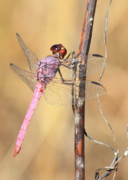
[(59, 49), (55, 48)]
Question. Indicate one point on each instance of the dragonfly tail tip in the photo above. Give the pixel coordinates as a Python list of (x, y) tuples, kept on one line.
[(16, 151)]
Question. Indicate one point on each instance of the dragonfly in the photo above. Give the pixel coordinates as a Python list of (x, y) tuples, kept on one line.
[(46, 77)]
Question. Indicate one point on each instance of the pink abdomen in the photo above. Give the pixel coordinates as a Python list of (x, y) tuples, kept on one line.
[(39, 88)]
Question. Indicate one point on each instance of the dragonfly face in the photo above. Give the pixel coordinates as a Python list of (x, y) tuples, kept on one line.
[(59, 49)]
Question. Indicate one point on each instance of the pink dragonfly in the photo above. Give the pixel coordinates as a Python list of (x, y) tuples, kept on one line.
[(43, 76)]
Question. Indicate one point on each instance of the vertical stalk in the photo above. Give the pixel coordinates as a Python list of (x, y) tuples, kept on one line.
[(79, 108)]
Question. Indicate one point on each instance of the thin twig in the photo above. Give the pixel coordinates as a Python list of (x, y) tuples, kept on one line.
[(104, 117), (112, 168), (99, 142)]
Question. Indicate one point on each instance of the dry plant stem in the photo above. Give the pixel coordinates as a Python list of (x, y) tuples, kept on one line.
[(79, 108)]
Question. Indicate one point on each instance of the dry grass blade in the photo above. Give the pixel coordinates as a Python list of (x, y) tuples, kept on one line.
[(105, 39)]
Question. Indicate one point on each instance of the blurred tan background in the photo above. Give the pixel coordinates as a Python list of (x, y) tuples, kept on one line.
[(47, 152)]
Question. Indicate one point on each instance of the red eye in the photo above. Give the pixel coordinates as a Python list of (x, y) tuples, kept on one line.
[(55, 48), (59, 49)]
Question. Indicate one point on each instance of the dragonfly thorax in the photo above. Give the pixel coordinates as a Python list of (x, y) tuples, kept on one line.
[(47, 69)]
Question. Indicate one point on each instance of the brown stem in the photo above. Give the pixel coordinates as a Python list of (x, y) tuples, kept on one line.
[(79, 108), (86, 34)]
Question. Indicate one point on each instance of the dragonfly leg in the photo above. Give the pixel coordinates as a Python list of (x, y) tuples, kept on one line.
[(67, 66), (70, 63), (64, 81), (70, 54)]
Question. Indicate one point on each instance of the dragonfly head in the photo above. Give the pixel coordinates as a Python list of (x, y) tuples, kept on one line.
[(59, 49)]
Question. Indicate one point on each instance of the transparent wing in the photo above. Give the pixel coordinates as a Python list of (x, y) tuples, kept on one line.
[(57, 93), (94, 90), (95, 63), (30, 56), (28, 77)]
